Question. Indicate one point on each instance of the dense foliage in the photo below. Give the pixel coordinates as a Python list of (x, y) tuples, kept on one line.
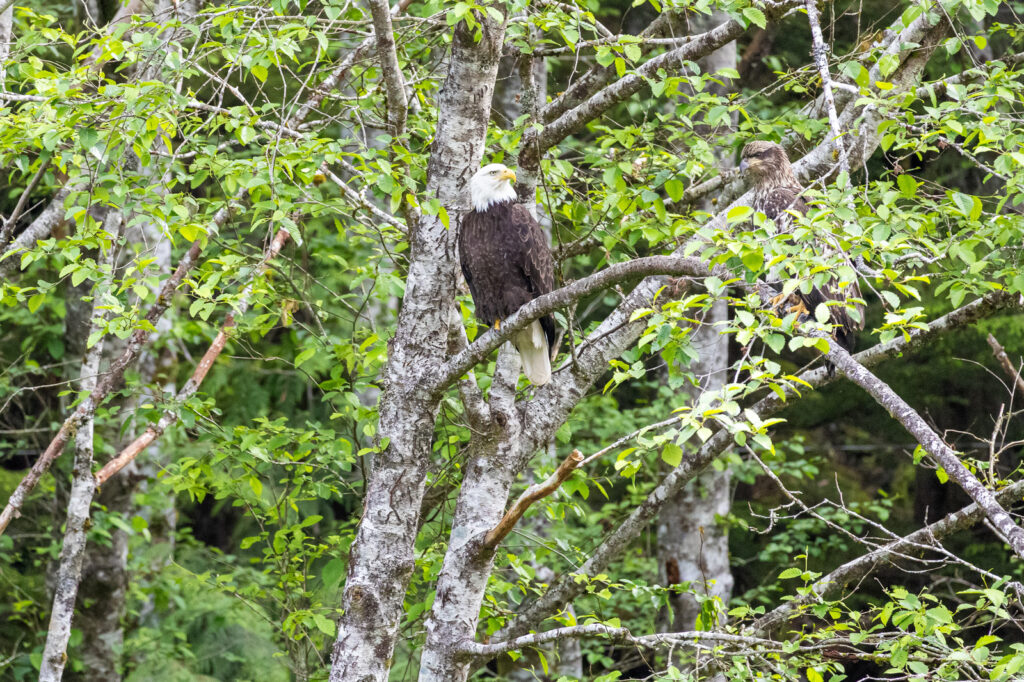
[(179, 125)]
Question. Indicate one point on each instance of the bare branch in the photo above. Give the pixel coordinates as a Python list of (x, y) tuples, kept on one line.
[(650, 641), (542, 305), (8, 227), (534, 144), (1007, 365), (83, 489), (340, 71), (391, 70), (535, 492), (820, 54), (834, 582), (941, 453)]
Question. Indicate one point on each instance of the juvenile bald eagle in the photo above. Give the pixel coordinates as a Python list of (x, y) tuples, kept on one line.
[(777, 195), (507, 262)]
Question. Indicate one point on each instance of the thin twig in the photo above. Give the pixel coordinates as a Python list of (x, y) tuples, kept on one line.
[(7, 231), (820, 54)]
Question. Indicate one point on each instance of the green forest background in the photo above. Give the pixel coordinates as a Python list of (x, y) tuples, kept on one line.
[(241, 517)]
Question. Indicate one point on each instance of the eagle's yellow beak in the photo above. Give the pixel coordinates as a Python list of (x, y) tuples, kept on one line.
[(508, 174)]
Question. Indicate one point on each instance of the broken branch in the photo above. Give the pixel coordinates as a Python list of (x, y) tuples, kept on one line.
[(1006, 363), (535, 492)]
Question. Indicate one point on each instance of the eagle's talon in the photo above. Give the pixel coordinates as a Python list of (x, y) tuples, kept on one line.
[(497, 325), (799, 307)]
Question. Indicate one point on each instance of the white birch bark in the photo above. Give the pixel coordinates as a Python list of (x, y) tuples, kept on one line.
[(83, 489), (486, 482), (6, 40), (381, 559), (693, 545)]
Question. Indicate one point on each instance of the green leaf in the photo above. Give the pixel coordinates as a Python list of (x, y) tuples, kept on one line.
[(891, 299), (675, 189), (753, 260), (35, 302), (324, 624), (304, 355), (189, 231), (790, 573), (822, 314), (332, 573), (887, 64), (672, 454), (755, 16), (739, 214), (907, 184)]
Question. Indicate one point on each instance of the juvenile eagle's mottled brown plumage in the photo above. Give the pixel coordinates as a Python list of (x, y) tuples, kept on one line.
[(776, 194)]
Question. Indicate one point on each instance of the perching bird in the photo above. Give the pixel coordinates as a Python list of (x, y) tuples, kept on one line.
[(507, 262), (776, 194)]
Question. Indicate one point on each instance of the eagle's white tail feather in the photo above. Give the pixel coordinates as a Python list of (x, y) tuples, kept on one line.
[(532, 345)]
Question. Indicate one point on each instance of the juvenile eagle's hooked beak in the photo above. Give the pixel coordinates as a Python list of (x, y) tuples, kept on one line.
[(744, 166), (508, 174)]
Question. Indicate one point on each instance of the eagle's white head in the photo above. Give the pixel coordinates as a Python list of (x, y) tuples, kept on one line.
[(492, 185)]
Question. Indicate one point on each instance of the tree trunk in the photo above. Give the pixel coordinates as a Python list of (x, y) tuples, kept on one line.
[(488, 476), (381, 559), (693, 546)]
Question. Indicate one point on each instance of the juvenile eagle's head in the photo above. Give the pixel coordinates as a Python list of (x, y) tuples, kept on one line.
[(492, 185), (766, 162)]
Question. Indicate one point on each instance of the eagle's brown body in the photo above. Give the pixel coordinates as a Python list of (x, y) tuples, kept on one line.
[(507, 262), (776, 194)]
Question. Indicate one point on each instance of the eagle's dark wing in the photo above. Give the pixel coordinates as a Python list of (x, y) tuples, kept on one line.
[(506, 261), (776, 201), (775, 204), (846, 328), (536, 262)]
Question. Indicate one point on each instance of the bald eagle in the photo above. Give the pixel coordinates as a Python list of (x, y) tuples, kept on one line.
[(507, 262), (777, 195)]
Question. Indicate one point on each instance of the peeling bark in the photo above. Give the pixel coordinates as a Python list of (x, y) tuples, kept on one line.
[(83, 489), (381, 559), (486, 482)]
